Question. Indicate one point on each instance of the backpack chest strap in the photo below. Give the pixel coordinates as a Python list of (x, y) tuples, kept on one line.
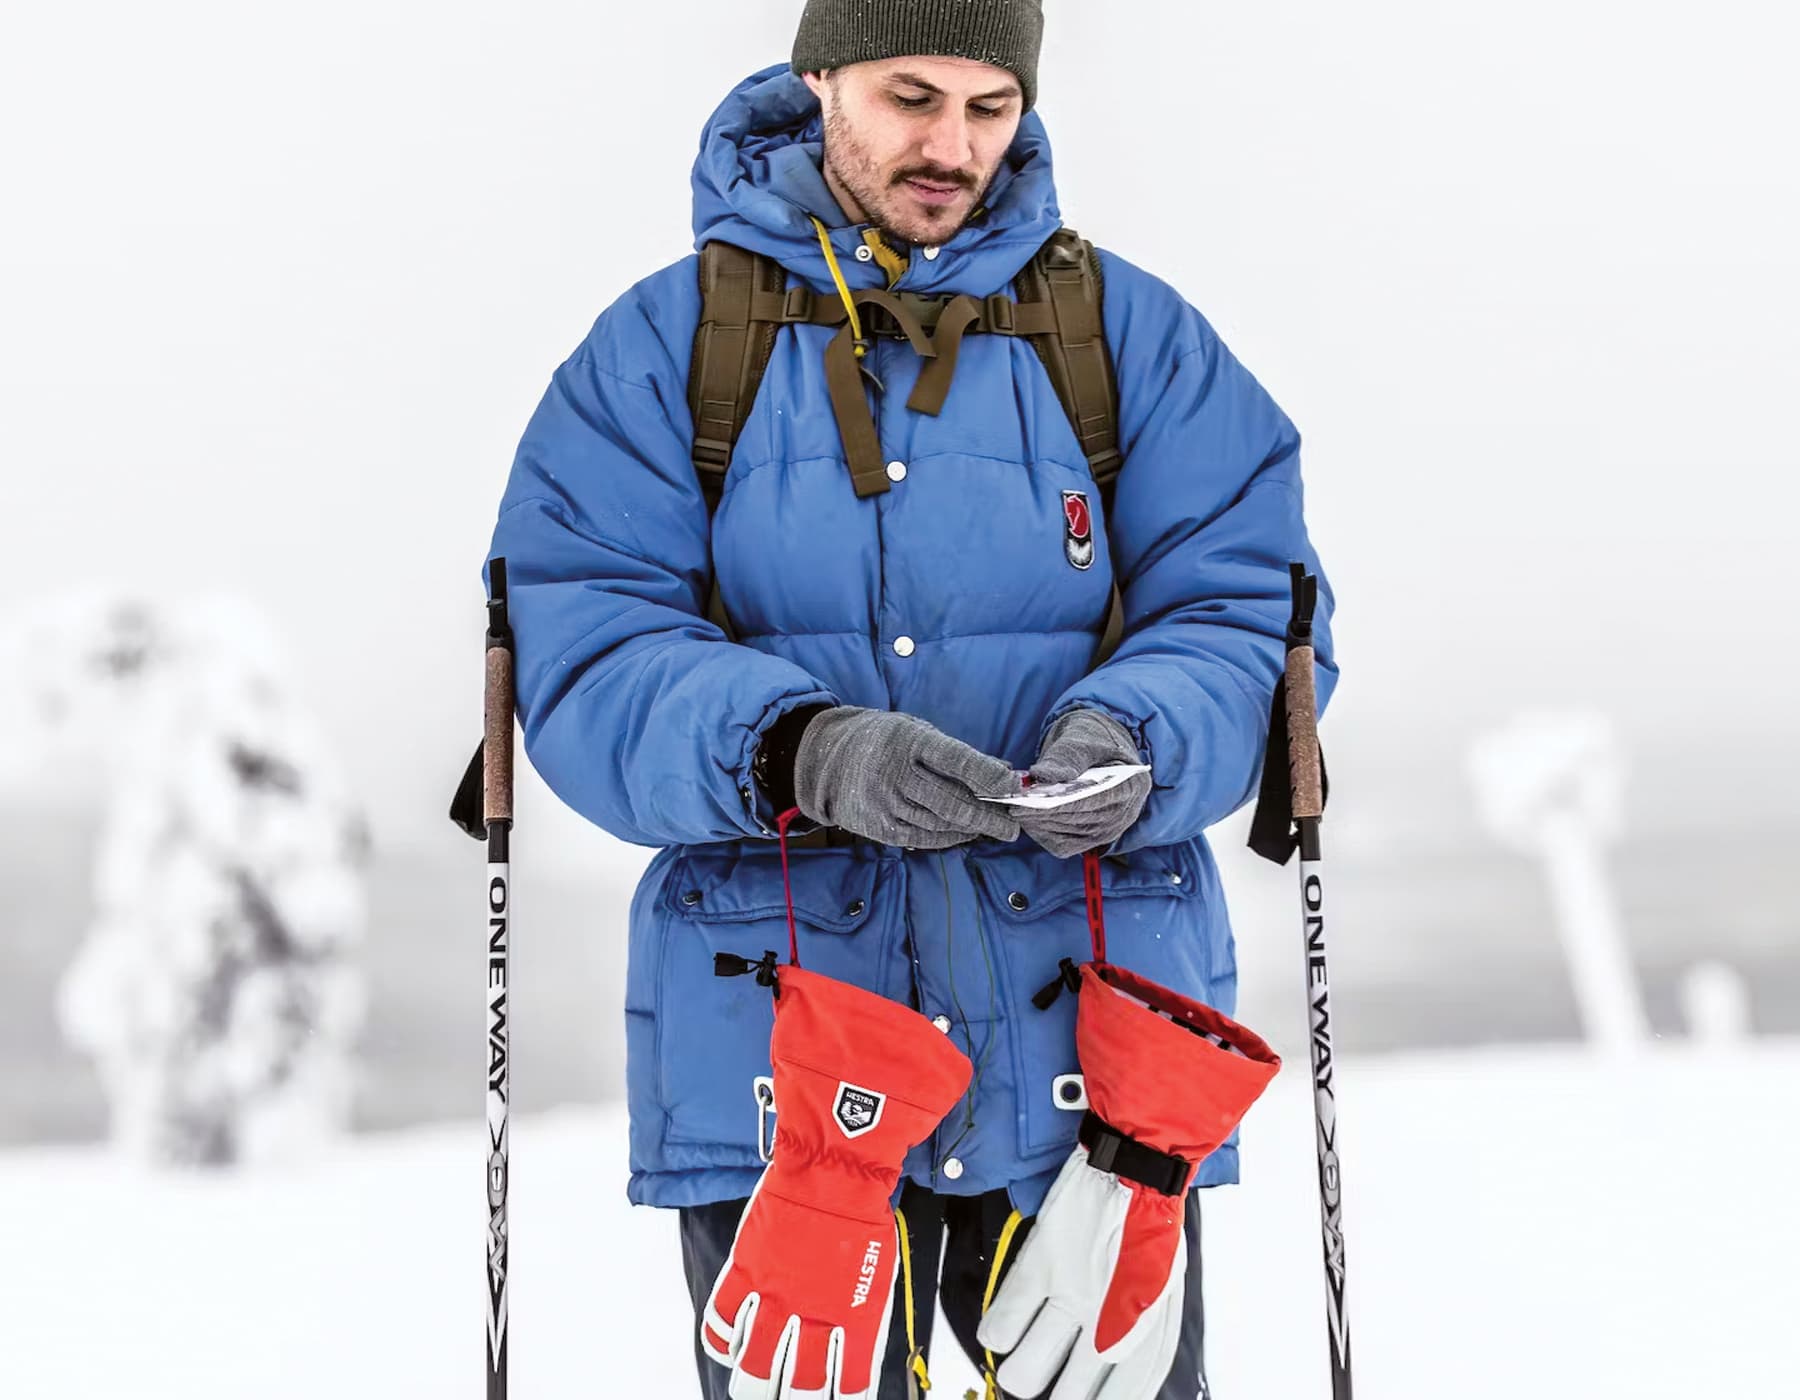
[(904, 315), (933, 325)]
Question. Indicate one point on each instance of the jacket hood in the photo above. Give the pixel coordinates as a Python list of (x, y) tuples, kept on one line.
[(757, 179)]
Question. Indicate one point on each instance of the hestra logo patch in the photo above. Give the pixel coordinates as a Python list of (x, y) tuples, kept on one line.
[(856, 1110), (1078, 529)]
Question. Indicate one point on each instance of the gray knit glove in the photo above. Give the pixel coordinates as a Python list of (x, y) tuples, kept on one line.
[(892, 778), (1078, 741)]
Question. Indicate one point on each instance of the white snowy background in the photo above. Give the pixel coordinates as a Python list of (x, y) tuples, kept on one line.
[(278, 292)]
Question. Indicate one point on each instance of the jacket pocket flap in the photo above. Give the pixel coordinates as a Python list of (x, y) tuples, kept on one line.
[(833, 887), (1030, 883)]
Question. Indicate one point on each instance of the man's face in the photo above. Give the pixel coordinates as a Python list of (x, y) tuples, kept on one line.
[(914, 143)]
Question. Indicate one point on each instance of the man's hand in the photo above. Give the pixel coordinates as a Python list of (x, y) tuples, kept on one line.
[(895, 779), (1080, 740)]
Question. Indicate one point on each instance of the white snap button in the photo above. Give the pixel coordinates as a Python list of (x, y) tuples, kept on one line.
[(903, 646), (896, 471), (864, 253), (942, 1023), (953, 1167), (931, 254), (1174, 879)]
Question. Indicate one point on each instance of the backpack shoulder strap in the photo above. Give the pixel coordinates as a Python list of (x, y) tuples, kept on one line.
[(731, 352), (1066, 273)]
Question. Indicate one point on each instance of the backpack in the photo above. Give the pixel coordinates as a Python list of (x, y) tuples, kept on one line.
[(745, 301)]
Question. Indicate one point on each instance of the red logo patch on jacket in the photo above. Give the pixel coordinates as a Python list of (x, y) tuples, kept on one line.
[(1078, 529)]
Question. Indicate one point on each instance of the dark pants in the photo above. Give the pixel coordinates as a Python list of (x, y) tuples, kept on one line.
[(953, 1240)]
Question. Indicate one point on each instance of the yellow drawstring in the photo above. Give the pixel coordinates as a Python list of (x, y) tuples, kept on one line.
[(918, 1379), (987, 1297), (856, 334)]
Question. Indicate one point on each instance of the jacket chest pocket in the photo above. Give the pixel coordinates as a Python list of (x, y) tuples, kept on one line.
[(1152, 908), (712, 1032)]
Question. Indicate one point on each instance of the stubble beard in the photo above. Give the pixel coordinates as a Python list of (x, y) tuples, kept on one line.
[(885, 202)]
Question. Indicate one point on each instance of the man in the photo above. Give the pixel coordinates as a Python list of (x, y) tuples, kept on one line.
[(900, 653)]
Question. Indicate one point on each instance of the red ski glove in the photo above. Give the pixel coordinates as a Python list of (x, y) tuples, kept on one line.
[(1097, 1285), (801, 1307)]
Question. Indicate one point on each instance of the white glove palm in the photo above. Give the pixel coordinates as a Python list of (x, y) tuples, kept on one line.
[(1048, 1308)]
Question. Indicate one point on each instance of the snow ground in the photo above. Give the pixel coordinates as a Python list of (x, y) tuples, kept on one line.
[(1526, 1222)]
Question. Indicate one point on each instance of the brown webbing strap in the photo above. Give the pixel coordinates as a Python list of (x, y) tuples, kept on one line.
[(849, 403), (1114, 629), (856, 425), (993, 315), (731, 351), (715, 610), (933, 384), (1066, 273)]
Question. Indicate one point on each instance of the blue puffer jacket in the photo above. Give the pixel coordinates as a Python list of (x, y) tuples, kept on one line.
[(643, 718)]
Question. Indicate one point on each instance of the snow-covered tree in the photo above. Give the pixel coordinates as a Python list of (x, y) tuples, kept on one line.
[(217, 990)]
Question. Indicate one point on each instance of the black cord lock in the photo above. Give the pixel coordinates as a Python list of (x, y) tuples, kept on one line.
[(1067, 976), (731, 965)]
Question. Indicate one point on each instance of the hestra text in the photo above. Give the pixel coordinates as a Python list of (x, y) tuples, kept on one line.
[(866, 1280)]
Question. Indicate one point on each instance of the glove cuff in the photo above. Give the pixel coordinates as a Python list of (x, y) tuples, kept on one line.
[(838, 1031), (1167, 1071)]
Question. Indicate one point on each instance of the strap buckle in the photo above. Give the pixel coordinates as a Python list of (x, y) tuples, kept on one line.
[(997, 308), (797, 303), (712, 452), (878, 322), (1109, 1150)]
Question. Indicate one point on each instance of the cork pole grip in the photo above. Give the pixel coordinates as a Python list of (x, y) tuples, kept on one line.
[(497, 746), (1303, 734)]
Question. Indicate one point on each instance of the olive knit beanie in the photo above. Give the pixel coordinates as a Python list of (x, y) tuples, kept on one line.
[(1005, 33)]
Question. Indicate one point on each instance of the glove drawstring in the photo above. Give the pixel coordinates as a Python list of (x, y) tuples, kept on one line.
[(1090, 873), (781, 825), (1068, 977), (992, 1383)]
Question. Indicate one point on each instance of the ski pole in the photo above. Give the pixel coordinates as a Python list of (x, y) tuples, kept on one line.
[(1288, 814), (483, 806)]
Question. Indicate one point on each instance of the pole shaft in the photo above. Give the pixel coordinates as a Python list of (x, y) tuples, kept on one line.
[(498, 1089), (1331, 1203), (497, 803), (1306, 791)]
